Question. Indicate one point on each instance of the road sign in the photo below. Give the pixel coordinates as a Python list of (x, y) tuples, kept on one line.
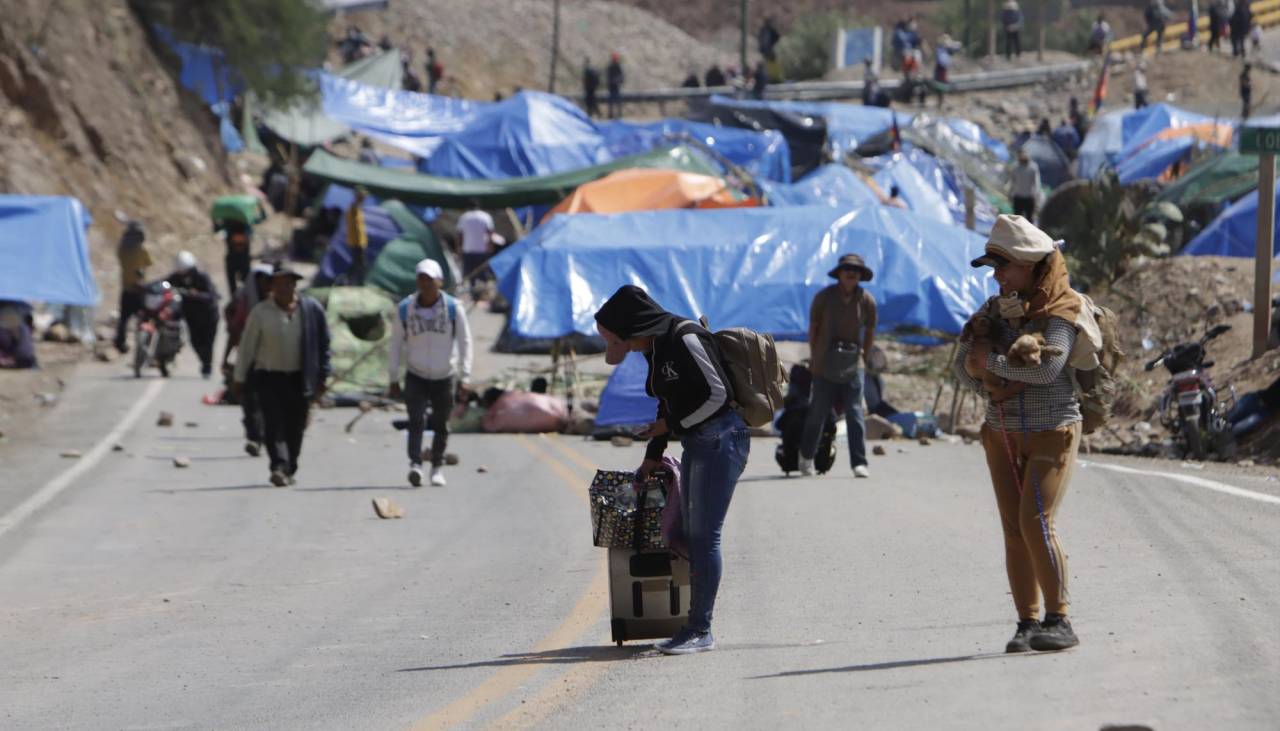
[(1258, 140)]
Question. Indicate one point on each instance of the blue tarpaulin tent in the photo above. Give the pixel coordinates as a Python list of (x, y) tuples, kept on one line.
[(44, 252), (920, 196), (830, 185), (847, 124), (1233, 233), (1116, 135), (943, 178), (756, 268), (762, 154), (623, 401), (404, 119)]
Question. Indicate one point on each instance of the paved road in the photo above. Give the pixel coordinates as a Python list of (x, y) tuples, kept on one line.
[(140, 596)]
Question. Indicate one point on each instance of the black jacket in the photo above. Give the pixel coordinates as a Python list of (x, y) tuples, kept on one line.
[(687, 377), (315, 346)]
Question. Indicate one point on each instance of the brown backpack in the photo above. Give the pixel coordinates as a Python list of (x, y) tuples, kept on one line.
[(750, 360)]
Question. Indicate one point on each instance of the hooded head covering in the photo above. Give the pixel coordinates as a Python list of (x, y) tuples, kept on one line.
[(631, 313), (1053, 294)]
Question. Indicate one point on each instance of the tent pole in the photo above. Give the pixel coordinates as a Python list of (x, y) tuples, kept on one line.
[(555, 45)]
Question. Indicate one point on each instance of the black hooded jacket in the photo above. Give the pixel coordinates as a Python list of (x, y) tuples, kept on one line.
[(685, 370)]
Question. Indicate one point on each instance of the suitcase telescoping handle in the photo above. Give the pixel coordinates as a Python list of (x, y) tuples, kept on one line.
[(637, 533)]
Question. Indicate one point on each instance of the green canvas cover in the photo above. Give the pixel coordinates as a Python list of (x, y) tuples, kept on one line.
[(1218, 180), (430, 190), (242, 208), (396, 274), (359, 333)]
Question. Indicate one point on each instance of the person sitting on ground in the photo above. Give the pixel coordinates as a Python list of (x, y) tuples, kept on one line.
[(199, 306), (17, 341), (695, 404), (691, 81), (1030, 440)]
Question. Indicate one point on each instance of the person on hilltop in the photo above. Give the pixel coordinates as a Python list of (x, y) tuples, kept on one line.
[(1140, 85), (1239, 23), (613, 79), (714, 76), (285, 346), (1099, 34), (428, 328), (695, 405), (435, 71), (590, 86), (1156, 15), (691, 80), (842, 327), (767, 39), (1011, 20), (134, 258), (199, 306), (1031, 433)]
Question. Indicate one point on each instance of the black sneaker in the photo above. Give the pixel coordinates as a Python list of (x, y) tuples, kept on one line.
[(1021, 641), (279, 478), (1055, 633)]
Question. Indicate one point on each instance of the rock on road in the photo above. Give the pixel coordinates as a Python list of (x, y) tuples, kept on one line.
[(147, 597)]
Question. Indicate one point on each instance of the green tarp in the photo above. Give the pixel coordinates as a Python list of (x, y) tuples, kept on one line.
[(242, 208), (1221, 179), (359, 332), (394, 269), (430, 190), (306, 123)]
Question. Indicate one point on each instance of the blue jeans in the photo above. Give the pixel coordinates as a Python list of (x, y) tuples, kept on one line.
[(823, 393), (715, 453)]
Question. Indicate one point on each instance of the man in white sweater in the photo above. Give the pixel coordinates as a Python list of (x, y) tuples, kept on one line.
[(428, 326)]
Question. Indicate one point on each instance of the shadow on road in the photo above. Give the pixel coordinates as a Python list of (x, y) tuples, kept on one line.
[(564, 656), (348, 488), (222, 488), (883, 665)]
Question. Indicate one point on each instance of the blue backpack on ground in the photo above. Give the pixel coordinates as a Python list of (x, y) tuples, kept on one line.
[(450, 305)]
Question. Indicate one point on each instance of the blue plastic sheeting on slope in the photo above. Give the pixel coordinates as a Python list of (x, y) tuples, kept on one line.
[(1151, 161), (44, 251), (973, 131), (755, 267), (1115, 135), (942, 177), (921, 198), (380, 228), (623, 401), (830, 185), (204, 70), (529, 134), (762, 154), (404, 119), (1233, 233), (847, 124)]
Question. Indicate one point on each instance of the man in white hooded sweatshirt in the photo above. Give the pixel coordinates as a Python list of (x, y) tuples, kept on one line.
[(428, 326)]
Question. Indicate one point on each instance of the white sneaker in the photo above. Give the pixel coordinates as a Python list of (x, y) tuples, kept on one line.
[(415, 475), (806, 467), (437, 477), (861, 471)]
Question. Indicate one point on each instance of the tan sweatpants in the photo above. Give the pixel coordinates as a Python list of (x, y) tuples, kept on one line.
[(1034, 559)]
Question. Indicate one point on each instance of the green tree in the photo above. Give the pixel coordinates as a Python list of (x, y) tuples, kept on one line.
[(805, 50), (268, 44)]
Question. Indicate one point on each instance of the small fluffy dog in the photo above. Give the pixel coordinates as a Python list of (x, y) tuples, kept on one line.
[(1031, 349), (980, 329)]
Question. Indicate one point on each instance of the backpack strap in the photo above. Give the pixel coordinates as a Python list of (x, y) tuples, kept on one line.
[(403, 310), (451, 307)]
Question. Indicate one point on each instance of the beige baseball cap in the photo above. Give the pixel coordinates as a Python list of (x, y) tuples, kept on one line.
[(1014, 238)]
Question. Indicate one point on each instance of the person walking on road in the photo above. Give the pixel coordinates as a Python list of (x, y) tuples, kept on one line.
[(1030, 438), (613, 79), (475, 228), (134, 259), (842, 325), (357, 239), (428, 328), (590, 85), (1238, 26), (286, 344), (1011, 19), (257, 289), (1024, 185), (199, 306), (695, 405)]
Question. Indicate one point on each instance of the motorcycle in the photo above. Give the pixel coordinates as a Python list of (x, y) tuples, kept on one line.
[(1189, 406), (157, 338)]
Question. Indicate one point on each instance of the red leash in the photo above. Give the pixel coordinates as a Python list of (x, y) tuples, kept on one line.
[(1008, 446)]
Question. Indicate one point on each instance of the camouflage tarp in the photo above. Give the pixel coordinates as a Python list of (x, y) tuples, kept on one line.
[(359, 330)]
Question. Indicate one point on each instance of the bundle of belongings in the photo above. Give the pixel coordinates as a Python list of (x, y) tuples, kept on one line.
[(17, 345), (644, 516)]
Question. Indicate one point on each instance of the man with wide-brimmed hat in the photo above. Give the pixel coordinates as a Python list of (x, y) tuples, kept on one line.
[(842, 324), (286, 345)]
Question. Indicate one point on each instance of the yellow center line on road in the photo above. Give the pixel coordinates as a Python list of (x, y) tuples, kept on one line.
[(583, 616)]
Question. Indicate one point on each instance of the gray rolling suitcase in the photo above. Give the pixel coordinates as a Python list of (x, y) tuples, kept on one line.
[(648, 594)]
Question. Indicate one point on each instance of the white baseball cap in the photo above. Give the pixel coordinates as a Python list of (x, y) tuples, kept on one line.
[(185, 260), (431, 268), (1014, 238)]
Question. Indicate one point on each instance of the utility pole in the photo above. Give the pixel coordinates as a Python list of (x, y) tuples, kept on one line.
[(555, 45), (968, 21), (991, 29), (742, 41), (1040, 14)]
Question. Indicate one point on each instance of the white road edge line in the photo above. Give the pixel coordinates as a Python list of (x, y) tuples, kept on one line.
[(51, 488), (1222, 487)]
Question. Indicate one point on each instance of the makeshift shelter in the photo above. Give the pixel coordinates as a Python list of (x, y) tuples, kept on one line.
[(762, 154), (398, 240), (965, 152), (806, 135), (430, 190), (1114, 135), (44, 251), (359, 332), (1055, 167), (919, 195), (846, 124), (830, 185), (1233, 233), (755, 267), (1154, 157), (407, 120), (649, 189), (1218, 180)]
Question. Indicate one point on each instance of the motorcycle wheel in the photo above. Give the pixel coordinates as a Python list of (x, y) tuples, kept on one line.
[(1191, 434), (141, 347)]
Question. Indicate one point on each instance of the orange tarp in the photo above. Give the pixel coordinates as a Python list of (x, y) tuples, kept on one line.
[(1213, 134), (642, 189)]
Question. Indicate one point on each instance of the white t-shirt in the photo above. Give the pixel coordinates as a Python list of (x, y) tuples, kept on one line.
[(474, 227)]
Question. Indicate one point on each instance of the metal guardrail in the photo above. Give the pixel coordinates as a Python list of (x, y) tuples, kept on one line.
[(1264, 14), (813, 90)]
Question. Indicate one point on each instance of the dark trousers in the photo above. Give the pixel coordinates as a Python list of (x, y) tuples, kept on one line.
[(821, 398), (1159, 38), (237, 269), (202, 327), (592, 104), (1024, 206), (1237, 45), (130, 303), (419, 393), (284, 414), (615, 102), (473, 266), (1139, 99), (356, 273), (1012, 44), (251, 411)]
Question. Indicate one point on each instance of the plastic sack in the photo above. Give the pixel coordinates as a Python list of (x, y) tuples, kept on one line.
[(519, 412)]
